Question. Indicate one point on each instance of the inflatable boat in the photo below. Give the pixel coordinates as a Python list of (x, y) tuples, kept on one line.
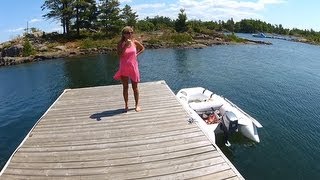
[(215, 114)]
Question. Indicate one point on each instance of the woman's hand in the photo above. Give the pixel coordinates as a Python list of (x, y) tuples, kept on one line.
[(128, 43), (139, 46), (122, 46)]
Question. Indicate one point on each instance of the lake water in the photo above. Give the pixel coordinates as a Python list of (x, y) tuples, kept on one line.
[(279, 85)]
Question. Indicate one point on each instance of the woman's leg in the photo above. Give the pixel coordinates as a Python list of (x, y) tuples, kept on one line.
[(125, 84), (136, 95)]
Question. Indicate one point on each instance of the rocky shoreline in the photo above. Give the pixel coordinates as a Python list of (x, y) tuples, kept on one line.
[(9, 61), (12, 55)]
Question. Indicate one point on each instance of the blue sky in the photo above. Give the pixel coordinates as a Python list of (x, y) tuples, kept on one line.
[(16, 14)]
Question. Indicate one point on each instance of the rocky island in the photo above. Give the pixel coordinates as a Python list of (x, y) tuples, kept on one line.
[(38, 46)]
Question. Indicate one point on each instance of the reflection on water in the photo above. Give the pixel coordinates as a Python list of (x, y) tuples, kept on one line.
[(279, 85), (91, 71)]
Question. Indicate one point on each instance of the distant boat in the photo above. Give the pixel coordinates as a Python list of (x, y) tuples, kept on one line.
[(259, 35)]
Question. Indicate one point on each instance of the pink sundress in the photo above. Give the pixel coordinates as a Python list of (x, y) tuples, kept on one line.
[(128, 64)]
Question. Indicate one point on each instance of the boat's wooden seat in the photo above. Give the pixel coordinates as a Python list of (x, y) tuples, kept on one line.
[(205, 106)]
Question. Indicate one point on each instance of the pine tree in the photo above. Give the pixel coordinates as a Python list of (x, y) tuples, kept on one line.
[(85, 14), (60, 10), (27, 48), (109, 16), (181, 22), (129, 17), (230, 25)]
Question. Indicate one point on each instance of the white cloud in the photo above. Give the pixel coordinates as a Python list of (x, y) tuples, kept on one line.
[(55, 29), (206, 9), (125, 1), (224, 9), (143, 7), (16, 30), (272, 1), (35, 20)]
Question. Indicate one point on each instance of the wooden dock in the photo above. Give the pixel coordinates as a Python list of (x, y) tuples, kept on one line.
[(86, 135)]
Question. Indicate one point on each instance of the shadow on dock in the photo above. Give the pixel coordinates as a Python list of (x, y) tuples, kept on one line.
[(110, 113)]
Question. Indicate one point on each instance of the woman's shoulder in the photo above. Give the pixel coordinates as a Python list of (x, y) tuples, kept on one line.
[(135, 40), (120, 42)]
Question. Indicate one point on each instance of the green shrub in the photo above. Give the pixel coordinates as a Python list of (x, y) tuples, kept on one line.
[(52, 45), (232, 37), (145, 26), (90, 43), (87, 43), (154, 41), (98, 35), (27, 48), (179, 38)]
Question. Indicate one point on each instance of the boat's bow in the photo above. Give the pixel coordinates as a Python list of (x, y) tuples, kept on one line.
[(200, 101)]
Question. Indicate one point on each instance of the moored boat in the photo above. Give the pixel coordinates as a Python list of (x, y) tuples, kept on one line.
[(215, 114), (259, 35)]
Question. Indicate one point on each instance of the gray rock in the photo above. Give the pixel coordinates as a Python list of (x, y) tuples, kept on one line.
[(8, 61), (198, 46), (43, 48), (13, 51), (1, 61), (61, 48), (218, 39)]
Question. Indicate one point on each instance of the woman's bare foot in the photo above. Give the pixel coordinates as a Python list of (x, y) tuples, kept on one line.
[(137, 109), (126, 109)]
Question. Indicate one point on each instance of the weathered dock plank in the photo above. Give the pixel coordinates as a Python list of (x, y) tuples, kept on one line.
[(86, 135)]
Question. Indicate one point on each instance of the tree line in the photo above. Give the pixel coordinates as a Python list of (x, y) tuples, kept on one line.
[(76, 15), (106, 16)]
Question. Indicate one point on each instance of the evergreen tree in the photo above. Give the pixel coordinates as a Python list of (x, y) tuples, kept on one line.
[(144, 25), (230, 25), (85, 14), (67, 12), (181, 22), (109, 16), (27, 48), (161, 22), (129, 17), (54, 7), (59, 10)]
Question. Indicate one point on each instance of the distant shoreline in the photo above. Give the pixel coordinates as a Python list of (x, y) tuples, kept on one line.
[(62, 51)]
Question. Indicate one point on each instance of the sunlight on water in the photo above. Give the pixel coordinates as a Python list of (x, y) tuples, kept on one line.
[(279, 85)]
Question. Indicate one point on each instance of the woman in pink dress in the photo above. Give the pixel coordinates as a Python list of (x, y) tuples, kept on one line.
[(128, 49)]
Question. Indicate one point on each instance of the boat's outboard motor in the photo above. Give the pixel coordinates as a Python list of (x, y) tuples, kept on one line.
[(229, 125), (230, 121)]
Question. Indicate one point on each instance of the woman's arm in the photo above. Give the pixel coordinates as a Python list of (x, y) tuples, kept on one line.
[(140, 47), (120, 49)]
